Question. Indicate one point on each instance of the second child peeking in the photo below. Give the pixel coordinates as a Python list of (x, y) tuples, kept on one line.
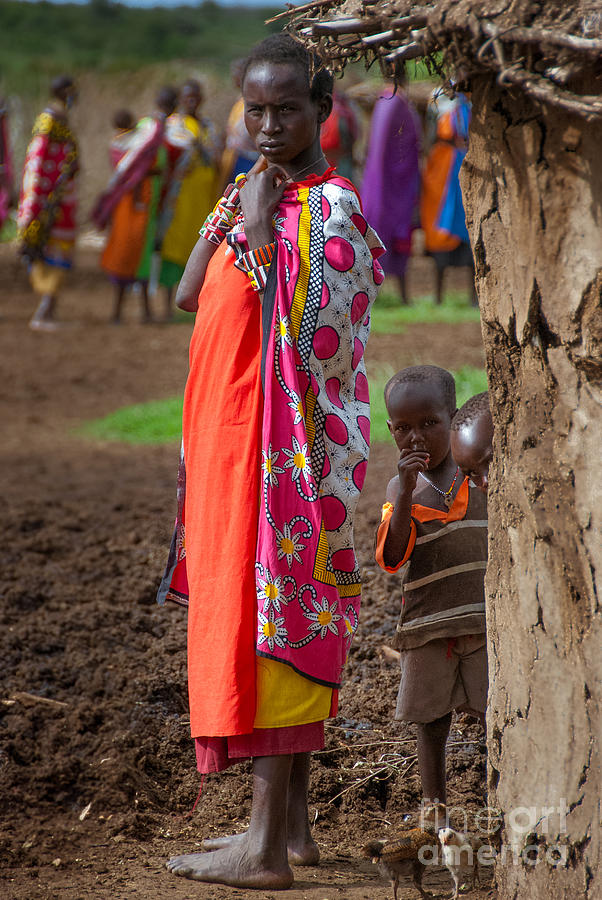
[(434, 528)]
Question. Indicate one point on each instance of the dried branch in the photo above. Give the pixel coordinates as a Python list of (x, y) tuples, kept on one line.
[(346, 26), (293, 10), (384, 30), (28, 699), (589, 106), (544, 36)]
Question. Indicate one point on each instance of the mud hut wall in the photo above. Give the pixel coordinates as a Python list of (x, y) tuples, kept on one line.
[(533, 193)]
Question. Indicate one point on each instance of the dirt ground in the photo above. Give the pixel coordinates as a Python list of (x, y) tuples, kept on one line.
[(97, 776)]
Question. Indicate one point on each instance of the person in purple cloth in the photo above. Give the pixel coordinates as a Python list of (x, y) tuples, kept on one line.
[(392, 178)]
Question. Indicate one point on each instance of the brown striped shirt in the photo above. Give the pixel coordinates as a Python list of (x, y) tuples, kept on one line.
[(443, 569)]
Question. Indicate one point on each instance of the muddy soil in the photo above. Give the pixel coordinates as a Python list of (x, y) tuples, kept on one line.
[(97, 778)]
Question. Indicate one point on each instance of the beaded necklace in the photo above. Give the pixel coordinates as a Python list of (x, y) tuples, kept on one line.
[(447, 497)]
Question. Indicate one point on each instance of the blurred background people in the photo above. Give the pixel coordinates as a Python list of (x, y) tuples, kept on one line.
[(391, 181), (339, 133), (6, 169), (144, 160), (129, 216), (46, 219), (240, 152), (192, 192), (442, 210)]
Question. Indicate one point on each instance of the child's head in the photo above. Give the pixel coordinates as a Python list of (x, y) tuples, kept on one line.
[(123, 120), (421, 402), (288, 95), (471, 439)]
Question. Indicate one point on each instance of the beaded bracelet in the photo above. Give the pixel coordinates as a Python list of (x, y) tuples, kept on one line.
[(256, 263), (220, 220)]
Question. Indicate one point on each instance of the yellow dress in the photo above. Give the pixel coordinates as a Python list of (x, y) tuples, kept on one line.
[(192, 192)]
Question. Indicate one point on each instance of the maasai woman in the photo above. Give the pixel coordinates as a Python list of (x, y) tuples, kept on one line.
[(191, 145), (48, 202), (442, 209), (276, 429), (6, 169), (392, 178), (145, 158), (129, 218)]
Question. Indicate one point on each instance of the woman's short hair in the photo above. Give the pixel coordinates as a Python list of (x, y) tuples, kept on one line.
[(286, 50), (123, 119), (60, 84)]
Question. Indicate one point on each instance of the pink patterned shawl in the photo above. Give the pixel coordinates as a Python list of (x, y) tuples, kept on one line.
[(132, 166), (316, 427)]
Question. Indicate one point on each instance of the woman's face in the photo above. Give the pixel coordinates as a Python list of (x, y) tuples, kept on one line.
[(190, 100), (281, 118)]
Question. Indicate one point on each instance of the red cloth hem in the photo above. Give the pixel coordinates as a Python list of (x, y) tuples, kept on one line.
[(214, 754)]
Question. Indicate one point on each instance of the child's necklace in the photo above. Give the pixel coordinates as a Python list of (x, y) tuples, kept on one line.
[(447, 497)]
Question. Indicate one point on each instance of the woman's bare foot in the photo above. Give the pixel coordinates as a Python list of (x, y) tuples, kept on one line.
[(304, 853), (236, 865)]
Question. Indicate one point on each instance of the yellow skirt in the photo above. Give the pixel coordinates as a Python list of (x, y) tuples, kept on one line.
[(286, 698), (46, 279)]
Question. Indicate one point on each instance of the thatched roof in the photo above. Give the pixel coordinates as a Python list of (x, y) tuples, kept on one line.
[(547, 49)]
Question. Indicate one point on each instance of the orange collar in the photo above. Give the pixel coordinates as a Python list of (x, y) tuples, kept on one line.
[(456, 512)]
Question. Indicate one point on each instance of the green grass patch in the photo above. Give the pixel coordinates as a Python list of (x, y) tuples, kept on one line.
[(469, 381), (160, 421), (390, 317), (157, 422)]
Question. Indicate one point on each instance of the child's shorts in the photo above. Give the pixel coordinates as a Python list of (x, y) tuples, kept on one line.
[(444, 674)]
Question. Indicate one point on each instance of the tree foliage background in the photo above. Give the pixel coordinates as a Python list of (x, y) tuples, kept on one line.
[(40, 40)]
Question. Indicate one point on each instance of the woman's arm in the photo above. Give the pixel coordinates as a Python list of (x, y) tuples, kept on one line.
[(187, 296)]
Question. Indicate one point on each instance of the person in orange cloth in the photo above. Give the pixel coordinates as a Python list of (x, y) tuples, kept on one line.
[(121, 256), (275, 442), (441, 209)]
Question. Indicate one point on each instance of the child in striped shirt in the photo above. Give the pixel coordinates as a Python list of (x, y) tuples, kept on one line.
[(434, 529)]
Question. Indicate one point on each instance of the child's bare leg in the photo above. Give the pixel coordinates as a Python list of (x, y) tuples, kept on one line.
[(302, 849), (259, 858), (432, 737)]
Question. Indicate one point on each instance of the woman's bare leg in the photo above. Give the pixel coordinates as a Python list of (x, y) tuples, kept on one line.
[(120, 290), (43, 317), (147, 315), (302, 849), (259, 858)]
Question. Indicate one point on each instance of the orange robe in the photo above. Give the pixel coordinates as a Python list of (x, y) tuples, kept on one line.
[(222, 441)]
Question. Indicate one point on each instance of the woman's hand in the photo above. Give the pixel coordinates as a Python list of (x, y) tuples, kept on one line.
[(259, 198)]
